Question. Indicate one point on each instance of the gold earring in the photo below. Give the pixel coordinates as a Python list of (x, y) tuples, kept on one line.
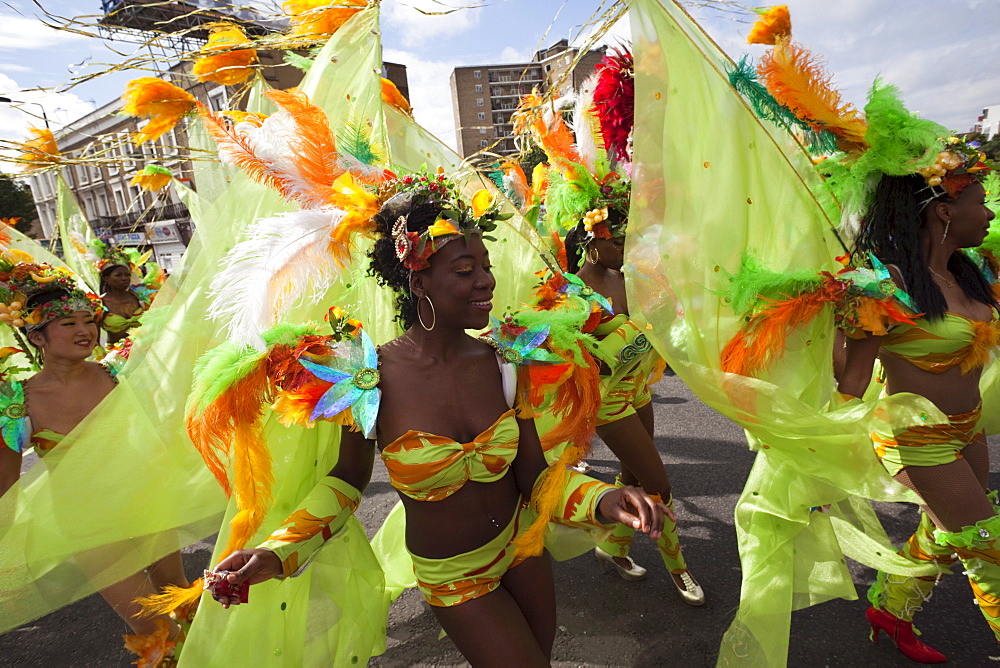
[(947, 224), (433, 313), (593, 255)]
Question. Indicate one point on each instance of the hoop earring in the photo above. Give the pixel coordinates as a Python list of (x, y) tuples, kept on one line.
[(947, 224), (593, 255), (433, 313)]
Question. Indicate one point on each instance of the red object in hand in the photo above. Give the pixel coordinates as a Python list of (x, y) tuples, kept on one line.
[(219, 585)]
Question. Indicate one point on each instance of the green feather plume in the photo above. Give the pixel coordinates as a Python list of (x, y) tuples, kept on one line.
[(753, 283), (355, 138), (568, 200)]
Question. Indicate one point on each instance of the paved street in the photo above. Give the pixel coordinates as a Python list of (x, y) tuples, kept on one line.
[(603, 620)]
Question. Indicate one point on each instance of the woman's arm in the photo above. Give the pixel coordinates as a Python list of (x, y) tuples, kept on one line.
[(323, 513), (859, 360), (10, 467)]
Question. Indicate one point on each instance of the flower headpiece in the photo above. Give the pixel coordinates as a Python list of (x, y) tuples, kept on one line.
[(957, 165), (21, 278), (456, 219)]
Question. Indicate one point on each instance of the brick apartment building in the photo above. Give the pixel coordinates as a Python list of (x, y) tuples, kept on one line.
[(485, 96)]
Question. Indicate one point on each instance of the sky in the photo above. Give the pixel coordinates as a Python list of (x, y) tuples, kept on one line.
[(942, 55)]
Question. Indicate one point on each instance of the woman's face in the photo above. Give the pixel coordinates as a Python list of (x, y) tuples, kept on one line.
[(119, 278), (460, 284), (970, 218), (610, 252), (71, 337)]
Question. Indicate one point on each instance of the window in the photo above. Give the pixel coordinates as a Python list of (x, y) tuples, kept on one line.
[(482, 131), (479, 88), (481, 115), (477, 74), (483, 143), (217, 99), (479, 101)]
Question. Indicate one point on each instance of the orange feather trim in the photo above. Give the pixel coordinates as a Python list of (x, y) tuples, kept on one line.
[(171, 600), (762, 341), (795, 77), (239, 151), (985, 341), (876, 315)]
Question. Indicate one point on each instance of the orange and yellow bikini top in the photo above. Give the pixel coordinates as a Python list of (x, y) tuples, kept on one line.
[(428, 467), (939, 345)]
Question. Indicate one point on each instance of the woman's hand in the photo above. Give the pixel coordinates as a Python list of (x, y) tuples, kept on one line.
[(633, 507), (256, 565)]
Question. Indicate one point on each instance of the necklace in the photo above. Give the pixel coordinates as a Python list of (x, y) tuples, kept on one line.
[(950, 284)]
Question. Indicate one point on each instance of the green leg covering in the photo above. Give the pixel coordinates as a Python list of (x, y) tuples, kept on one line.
[(901, 595), (978, 546), (669, 545)]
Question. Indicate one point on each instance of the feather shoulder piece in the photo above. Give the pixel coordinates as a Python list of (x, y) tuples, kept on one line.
[(863, 299), (13, 416)]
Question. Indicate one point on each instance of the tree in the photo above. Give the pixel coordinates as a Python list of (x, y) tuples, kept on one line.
[(16, 202)]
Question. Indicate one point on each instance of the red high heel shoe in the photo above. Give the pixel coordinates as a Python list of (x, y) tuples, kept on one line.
[(902, 633)]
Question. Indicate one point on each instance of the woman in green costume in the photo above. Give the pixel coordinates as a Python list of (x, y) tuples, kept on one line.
[(58, 320), (918, 227)]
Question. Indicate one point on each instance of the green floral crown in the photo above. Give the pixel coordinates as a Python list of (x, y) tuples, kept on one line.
[(457, 218), (21, 278)]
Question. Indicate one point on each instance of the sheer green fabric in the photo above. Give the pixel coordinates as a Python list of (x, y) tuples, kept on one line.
[(711, 183), (75, 234)]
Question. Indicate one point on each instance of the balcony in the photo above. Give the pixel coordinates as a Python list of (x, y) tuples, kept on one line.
[(128, 221)]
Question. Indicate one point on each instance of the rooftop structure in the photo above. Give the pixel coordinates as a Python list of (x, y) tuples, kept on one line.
[(485, 96)]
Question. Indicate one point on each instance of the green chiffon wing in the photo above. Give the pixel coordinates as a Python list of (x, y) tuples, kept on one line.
[(75, 234), (713, 182)]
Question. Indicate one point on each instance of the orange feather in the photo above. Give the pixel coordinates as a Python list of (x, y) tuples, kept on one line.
[(796, 79), (239, 151), (314, 148)]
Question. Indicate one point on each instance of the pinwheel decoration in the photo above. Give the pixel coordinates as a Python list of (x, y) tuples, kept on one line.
[(355, 383), (521, 345), (576, 286)]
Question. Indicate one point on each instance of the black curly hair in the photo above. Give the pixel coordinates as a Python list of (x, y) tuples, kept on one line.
[(385, 266), (576, 240), (892, 229)]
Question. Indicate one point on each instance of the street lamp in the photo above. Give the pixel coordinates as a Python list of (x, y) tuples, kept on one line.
[(7, 100)]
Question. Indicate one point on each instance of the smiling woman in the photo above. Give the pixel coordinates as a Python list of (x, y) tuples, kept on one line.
[(59, 321)]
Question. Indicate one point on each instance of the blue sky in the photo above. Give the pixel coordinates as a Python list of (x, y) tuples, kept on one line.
[(943, 55)]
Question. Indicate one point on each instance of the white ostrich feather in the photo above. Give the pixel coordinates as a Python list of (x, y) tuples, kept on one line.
[(284, 260), (586, 125)]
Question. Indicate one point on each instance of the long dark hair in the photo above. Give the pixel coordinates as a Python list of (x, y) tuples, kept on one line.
[(385, 266), (892, 230), (107, 272)]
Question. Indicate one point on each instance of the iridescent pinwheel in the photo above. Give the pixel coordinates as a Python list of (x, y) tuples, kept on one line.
[(876, 283), (576, 286), (355, 383), (522, 345), (13, 409)]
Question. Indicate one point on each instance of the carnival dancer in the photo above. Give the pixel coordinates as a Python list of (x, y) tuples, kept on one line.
[(58, 321), (914, 296), (584, 195), (128, 284), (478, 499)]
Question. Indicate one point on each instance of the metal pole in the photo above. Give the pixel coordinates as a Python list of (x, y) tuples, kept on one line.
[(45, 118)]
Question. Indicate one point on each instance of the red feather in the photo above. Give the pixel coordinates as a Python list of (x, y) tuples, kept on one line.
[(614, 100)]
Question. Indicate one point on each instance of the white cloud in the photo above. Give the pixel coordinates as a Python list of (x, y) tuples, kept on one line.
[(15, 119), (22, 33), (430, 92), (11, 67), (418, 29)]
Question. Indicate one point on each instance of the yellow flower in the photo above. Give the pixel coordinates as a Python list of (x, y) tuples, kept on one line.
[(772, 24), (315, 20), (14, 255), (232, 66), (41, 148), (161, 102), (481, 202), (152, 178), (237, 116), (395, 99), (442, 228)]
